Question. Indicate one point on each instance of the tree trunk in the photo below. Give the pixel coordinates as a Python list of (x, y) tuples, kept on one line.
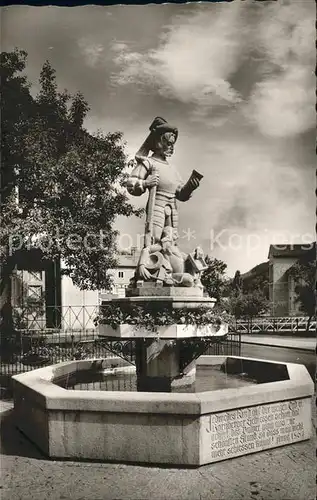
[(6, 318)]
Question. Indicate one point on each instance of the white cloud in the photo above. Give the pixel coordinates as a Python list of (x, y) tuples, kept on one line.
[(193, 59), (283, 106), (119, 46), (287, 31), (282, 103), (92, 52), (253, 193)]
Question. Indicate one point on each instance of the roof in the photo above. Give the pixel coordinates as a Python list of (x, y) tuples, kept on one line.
[(127, 260), (292, 250)]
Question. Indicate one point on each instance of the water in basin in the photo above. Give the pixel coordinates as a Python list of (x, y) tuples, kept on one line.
[(209, 378)]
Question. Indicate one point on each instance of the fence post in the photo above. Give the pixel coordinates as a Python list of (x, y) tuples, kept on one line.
[(84, 321), (21, 342), (72, 344)]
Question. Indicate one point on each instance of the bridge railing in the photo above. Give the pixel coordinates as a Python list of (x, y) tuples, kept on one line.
[(290, 325)]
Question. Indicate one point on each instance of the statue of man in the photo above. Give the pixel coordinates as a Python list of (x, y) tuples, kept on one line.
[(163, 180)]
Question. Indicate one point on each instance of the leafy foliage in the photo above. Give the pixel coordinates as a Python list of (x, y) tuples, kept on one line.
[(16, 110), (248, 297), (69, 180), (150, 318), (61, 187), (213, 278), (247, 305), (257, 284)]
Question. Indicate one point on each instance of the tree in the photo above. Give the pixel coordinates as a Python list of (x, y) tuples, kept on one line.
[(70, 181), (214, 278), (16, 109), (304, 275), (257, 283), (248, 295), (247, 305)]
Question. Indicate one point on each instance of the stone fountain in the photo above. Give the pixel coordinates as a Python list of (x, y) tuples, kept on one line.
[(164, 421)]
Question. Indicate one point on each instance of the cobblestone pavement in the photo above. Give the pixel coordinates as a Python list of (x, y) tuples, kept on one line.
[(286, 473)]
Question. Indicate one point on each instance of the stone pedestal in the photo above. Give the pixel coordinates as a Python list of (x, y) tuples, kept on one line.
[(151, 290), (158, 352), (158, 367)]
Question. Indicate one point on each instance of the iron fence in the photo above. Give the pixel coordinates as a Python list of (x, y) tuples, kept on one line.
[(34, 344), (229, 346), (73, 335)]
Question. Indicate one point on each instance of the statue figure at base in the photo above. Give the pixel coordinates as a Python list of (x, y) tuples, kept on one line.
[(164, 263), (161, 260)]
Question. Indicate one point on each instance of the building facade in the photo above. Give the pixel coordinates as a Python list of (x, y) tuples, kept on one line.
[(122, 274), (43, 297), (277, 273), (282, 292)]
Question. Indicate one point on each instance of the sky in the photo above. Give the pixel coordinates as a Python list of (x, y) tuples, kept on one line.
[(237, 79)]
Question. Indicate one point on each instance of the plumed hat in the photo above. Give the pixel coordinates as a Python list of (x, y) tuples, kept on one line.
[(158, 127)]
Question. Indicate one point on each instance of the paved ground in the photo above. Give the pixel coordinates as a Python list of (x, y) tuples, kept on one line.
[(306, 343), (286, 473)]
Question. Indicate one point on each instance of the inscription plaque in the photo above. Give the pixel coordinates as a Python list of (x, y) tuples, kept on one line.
[(246, 430)]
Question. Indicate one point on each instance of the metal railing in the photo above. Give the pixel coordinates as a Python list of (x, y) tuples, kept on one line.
[(50, 318), (36, 342), (276, 325)]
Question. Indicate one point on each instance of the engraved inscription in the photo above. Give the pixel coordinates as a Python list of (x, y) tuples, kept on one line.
[(246, 430)]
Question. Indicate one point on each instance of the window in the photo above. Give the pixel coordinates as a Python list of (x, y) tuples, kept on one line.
[(37, 275), (120, 274), (34, 293)]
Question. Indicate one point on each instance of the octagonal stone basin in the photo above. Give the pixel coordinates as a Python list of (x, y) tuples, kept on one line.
[(188, 429)]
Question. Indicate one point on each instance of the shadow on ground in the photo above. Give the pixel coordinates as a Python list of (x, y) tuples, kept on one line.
[(13, 442)]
